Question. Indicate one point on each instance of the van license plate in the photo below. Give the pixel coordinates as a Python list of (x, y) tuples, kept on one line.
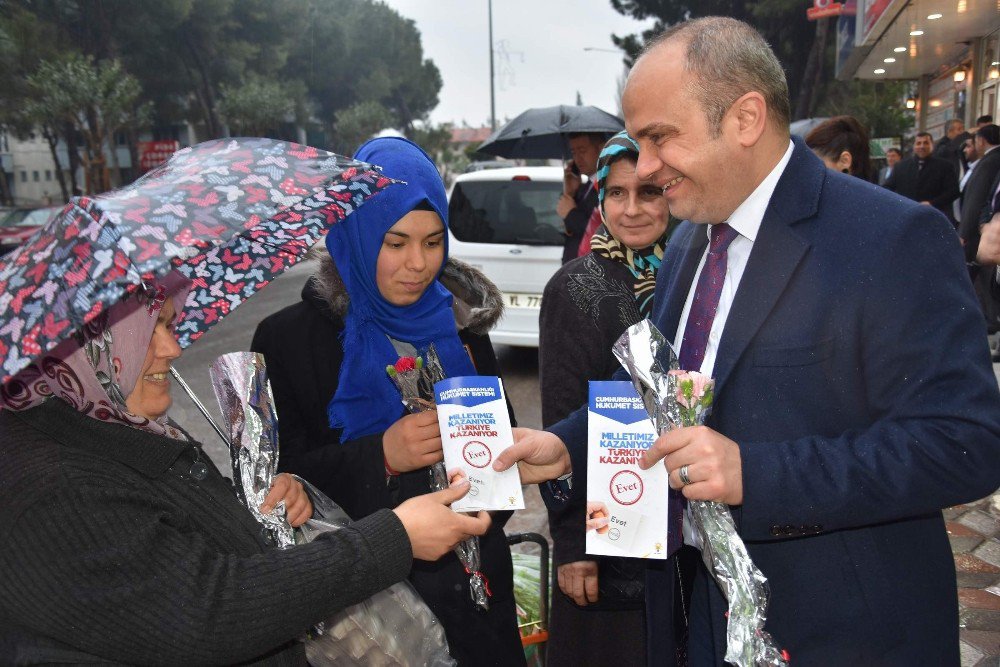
[(512, 300)]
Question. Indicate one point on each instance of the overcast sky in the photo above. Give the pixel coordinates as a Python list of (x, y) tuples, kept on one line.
[(540, 59)]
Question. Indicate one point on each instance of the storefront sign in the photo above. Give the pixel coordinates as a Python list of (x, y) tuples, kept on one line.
[(823, 8), (874, 9), (154, 153)]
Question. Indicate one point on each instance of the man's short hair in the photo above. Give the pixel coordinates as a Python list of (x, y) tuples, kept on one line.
[(923, 134), (990, 134), (953, 123), (893, 149), (729, 58), (988, 119)]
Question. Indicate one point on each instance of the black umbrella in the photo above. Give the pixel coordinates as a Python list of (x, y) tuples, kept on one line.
[(541, 133)]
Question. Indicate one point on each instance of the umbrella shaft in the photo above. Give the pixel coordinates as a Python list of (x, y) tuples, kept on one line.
[(198, 404)]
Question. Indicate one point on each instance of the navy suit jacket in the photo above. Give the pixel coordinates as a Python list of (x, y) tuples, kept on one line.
[(855, 377)]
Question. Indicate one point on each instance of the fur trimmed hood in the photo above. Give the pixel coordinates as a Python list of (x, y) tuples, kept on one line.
[(478, 304)]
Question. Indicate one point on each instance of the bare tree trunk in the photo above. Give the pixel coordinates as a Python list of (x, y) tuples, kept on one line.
[(811, 76), (132, 135), (69, 136), (116, 175), (5, 197), (52, 139), (214, 126), (95, 136)]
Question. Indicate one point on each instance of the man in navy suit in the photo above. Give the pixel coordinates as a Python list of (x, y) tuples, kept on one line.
[(855, 398)]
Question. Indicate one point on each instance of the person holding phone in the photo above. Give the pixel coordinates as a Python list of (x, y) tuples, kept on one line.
[(578, 199)]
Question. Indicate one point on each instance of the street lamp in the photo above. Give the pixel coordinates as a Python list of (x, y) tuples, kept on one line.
[(493, 106)]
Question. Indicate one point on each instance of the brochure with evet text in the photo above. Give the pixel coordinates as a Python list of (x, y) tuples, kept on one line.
[(475, 428), (626, 506)]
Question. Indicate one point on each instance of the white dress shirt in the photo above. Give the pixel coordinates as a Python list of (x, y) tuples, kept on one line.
[(746, 220)]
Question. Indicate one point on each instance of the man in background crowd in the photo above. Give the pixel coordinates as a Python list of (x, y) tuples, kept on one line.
[(984, 120), (924, 178), (971, 160), (578, 199), (976, 194), (892, 157), (987, 257), (949, 147)]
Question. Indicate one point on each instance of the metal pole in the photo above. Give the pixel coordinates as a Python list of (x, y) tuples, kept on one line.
[(493, 106), (198, 404)]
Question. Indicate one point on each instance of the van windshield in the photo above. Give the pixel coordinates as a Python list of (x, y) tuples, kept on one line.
[(511, 211)]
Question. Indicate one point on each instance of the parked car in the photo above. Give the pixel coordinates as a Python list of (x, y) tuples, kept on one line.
[(18, 224), (504, 222)]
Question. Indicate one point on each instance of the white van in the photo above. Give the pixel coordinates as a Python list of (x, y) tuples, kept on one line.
[(504, 222)]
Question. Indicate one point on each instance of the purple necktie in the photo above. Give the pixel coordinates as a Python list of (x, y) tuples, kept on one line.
[(699, 325)]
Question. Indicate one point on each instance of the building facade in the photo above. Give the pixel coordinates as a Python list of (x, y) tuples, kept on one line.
[(948, 49)]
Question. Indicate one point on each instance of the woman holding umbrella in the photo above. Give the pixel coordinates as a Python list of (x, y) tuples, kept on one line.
[(121, 542), (380, 296)]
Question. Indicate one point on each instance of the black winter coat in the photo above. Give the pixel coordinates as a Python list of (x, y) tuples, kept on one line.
[(301, 345), (112, 552)]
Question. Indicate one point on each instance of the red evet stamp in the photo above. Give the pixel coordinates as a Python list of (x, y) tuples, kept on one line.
[(626, 487), (477, 454)]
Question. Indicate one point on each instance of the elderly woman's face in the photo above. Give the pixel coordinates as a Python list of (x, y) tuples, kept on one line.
[(411, 255), (635, 212), (151, 396)]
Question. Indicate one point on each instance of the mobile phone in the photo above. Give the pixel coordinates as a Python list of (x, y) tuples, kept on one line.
[(572, 167)]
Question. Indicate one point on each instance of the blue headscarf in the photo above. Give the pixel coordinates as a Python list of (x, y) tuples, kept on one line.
[(366, 400)]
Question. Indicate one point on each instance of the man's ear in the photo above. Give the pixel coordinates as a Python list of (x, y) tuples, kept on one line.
[(749, 118)]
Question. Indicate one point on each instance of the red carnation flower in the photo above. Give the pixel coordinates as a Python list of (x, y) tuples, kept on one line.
[(405, 364)]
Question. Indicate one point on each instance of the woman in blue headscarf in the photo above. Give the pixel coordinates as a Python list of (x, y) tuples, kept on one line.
[(386, 290)]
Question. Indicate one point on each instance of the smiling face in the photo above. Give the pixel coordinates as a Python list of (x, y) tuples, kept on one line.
[(635, 211), (411, 256), (151, 396), (704, 174)]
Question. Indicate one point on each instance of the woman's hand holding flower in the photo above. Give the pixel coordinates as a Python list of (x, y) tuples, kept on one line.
[(298, 507), (413, 442)]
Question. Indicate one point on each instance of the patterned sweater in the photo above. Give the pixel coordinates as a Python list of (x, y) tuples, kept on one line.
[(111, 552)]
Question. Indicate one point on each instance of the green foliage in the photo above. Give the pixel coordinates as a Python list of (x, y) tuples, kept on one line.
[(353, 52), (95, 99), (783, 24), (876, 104), (260, 106), (360, 122), (195, 59)]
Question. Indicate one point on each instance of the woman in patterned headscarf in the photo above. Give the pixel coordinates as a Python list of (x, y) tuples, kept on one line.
[(121, 543), (587, 304)]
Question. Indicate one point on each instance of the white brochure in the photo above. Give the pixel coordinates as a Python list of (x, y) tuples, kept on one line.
[(630, 503), (475, 428)]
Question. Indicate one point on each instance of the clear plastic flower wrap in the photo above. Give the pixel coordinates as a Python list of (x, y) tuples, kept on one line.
[(394, 627), (415, 378), (675, 398)]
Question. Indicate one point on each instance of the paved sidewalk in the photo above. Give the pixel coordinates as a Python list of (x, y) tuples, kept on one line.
[(974, 531)]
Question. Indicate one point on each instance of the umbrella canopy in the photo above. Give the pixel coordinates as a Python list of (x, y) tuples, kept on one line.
[(541, 133), (229, 214)]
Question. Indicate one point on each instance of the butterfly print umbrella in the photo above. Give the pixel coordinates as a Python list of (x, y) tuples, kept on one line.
[(229, 214)]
